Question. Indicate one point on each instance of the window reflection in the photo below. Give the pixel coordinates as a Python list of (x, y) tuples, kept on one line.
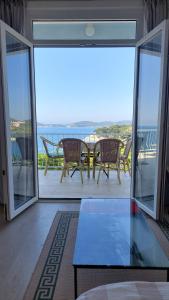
[(147, 120), (19, 96)]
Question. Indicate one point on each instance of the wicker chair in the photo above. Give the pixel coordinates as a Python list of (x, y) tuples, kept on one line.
[(76, 155), (124, 159), (51, 155), (107, 156)]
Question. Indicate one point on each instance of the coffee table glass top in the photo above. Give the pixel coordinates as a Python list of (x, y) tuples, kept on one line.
[(115, 233)]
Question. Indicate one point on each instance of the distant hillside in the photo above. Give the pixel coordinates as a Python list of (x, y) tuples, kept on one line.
[(90, 124), (87, 124), (50, 125), (124, 122), (99, 124)]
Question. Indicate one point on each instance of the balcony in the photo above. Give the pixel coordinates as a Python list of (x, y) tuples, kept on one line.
[(71, 187)]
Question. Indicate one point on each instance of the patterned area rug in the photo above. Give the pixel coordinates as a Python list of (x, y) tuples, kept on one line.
[(53, 275), (53, 278)]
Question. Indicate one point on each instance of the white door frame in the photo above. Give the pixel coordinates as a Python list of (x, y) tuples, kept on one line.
[(164, 28), (8, 180)]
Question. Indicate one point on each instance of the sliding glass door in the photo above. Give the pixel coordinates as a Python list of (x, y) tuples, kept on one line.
[(19, 115), (150, 86)]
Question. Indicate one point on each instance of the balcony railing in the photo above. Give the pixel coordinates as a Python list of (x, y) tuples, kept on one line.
[(147, 139), (148, 143), (55, 138)]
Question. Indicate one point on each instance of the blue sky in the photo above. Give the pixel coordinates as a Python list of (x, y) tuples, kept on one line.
[(77, 84)]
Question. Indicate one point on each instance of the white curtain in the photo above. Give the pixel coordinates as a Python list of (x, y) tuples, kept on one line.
[(155, 12), (12, 12)]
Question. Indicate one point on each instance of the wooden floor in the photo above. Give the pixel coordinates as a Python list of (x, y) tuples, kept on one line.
[(21, 242), (50, 186)]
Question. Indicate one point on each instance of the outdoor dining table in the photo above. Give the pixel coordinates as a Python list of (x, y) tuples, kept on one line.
[(91, 146)]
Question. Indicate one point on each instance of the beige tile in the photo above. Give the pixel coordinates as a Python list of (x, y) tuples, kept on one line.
[(50, 186)]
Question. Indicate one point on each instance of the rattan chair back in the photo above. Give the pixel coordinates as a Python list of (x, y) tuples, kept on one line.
[(109, 150), (71, 149)]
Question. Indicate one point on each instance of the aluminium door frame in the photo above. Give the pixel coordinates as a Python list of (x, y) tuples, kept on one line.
[(164, 28), (8, 180)]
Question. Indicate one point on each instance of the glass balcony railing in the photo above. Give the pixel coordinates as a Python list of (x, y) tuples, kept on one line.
[(146, 143)]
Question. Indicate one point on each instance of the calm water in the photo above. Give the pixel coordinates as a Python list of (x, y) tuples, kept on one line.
[(55, 134)]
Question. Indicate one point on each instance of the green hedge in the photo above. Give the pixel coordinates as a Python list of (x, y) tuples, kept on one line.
[(53, 163)]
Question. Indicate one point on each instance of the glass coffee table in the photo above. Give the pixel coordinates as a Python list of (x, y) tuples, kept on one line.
[(114, 234)]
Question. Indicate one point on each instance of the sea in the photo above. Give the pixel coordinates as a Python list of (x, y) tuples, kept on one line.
[(55, 134)]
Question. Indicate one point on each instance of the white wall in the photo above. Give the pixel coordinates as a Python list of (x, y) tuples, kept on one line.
[(94, 10)]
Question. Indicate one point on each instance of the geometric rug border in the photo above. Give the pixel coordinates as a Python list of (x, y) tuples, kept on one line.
[(47, 282)]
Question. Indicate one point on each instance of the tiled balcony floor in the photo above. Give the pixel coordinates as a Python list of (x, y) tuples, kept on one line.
[(50, 186)]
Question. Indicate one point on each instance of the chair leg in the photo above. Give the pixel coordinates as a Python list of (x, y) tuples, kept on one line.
[(94, 168), (108, 171), (99, 175), (88, 171), (46, 166), (118, 173), (128, 166), (63, 173), (81, 174), (88, 168)]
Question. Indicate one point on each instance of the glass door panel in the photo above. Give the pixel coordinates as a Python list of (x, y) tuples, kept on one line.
[(20, 120), (147, 120), (20, 115), (149, 114)]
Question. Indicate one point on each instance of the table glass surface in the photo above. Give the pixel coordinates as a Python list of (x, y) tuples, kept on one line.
[(115, 233)]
